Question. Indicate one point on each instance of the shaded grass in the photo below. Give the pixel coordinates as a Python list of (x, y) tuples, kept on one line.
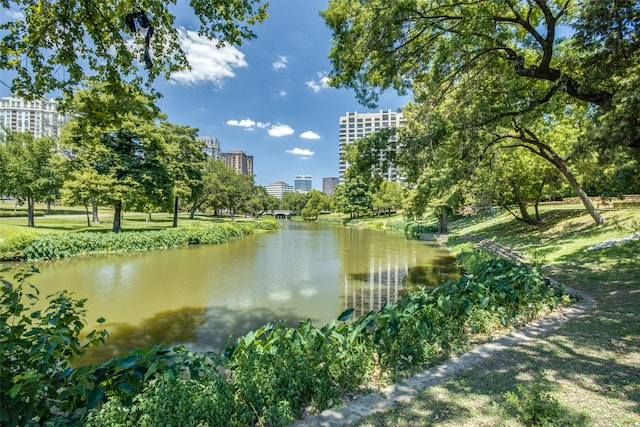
[(63, 223), (592, 363)]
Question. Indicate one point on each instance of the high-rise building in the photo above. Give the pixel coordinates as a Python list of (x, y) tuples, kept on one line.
[(212, 149), (302, 183), (328, 184), (238, 161), (354, 126), (277, 189), (39, 117)]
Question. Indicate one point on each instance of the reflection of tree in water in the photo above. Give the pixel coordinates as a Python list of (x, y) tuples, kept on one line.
[(198, 328)]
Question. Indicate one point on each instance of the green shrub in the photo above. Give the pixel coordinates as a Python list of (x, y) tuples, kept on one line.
[(4, 213), (269, 376), (36, 382), (412, 228), (64, 245), (13, 246)]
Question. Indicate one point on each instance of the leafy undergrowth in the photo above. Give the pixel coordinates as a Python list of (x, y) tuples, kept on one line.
[(586, 373), (30, 246), (270, 376)]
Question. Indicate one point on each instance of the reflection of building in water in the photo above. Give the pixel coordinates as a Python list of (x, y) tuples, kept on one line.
[(389, 278), (384, 283)]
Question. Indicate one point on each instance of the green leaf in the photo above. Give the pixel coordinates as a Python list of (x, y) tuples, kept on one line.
[(346, 315), (95, 396), (13, 391)]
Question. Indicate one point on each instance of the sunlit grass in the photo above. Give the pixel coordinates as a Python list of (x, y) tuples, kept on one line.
[(591, 362), (62, 219)]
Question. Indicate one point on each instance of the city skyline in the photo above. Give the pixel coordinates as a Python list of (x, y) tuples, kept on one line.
[(268, 97)]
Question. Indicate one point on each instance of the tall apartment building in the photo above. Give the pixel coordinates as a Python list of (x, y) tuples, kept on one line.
[(237, 160), (40, 117), (302, 183), (277, 189), (328, 184), (212, 148), (354, 126)]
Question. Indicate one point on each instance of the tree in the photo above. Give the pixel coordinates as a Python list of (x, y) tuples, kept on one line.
[(29, 169), (372, 157), (295, 201), (53, 45), (339, 202), (120, 139), (317, 201), (378, 44), (186, 163), (358, 197), (388, 197), (606, 39), (490, 66), (237, 192), (261, 201), (85, 187)]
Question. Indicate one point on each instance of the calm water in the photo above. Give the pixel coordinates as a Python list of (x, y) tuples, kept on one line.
[(200, 295)]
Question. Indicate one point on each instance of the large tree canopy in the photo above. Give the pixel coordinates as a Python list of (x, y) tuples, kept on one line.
[(29, 168), (53, 44), (439, 44), (123, 145)]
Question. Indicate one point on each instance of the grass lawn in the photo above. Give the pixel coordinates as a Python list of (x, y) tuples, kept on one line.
[(74, 219), (590, 367)]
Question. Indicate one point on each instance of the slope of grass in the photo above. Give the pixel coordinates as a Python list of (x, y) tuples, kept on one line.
[(590, 368)]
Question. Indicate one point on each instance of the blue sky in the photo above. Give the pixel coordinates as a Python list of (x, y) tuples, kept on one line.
[(268, 97)]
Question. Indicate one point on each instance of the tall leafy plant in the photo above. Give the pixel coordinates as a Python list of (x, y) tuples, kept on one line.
[(36, 347)]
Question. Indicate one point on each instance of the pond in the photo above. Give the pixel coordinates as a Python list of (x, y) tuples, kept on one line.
[(201, 295)]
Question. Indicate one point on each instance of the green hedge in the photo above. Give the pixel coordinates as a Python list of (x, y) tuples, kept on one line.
[(64, 245), (271, 375), (411, 228), (6, 213)]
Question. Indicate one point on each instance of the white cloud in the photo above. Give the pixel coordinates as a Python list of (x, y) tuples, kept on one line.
[(208, 62), (309, 135), (321, 83), (301, 152), (247, 124), (280, 130), (283, 93), (280, 63)]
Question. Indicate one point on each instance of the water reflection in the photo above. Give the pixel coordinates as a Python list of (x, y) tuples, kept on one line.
[(392, 268), (201, 295)]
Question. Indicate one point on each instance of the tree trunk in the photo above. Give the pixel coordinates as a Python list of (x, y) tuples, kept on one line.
[(522, 205), (599, 219), (192, 211), (117, 217), (94, 211), (549, 154), (86, 209), (175, 212), (442, 222), (30, 220)]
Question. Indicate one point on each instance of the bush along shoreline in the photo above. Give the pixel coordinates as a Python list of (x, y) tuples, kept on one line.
[(409, 228), (33, 247), (271, 376)]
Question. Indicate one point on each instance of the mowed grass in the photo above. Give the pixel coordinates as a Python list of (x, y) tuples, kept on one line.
[(592, 364), (74, 219)]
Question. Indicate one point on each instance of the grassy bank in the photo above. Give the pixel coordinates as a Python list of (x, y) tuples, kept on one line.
[(65, 233), (587, 373)]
